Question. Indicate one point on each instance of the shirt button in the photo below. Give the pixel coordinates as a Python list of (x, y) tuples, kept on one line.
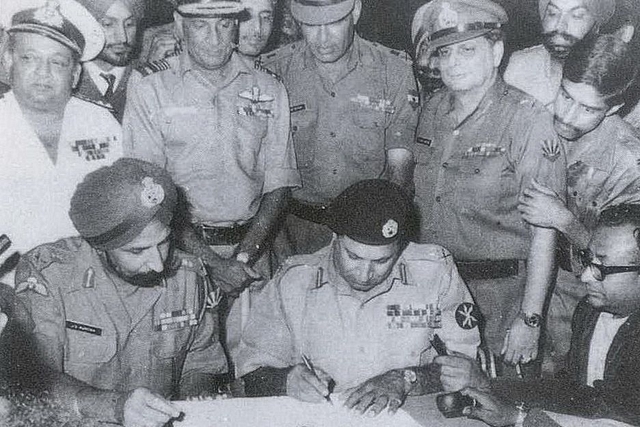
[(332, 134), (438, 198), (477, 171), (456, 132), (575, 194), (335, 171), (445, 164), (333, 94)]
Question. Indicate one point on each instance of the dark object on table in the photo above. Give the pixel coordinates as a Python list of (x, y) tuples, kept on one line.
[(452, 404)]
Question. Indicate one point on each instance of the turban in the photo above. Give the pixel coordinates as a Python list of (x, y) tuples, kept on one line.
[(115, 203), (98, 8)]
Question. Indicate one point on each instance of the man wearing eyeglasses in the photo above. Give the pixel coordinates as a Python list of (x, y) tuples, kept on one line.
[(600, 379), (602, 158)]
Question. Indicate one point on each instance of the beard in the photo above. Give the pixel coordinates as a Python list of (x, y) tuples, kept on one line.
[(148, 279), (559, 50), (118, 55)]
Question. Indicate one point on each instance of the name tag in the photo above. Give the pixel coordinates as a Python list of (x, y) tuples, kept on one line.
[(83, 327), (296, 108)]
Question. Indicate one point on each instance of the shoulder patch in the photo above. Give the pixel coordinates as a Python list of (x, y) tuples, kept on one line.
[(32, 284), (93, 101), (45, 255), (258, 66), (149, 68), (468, 315), (551, 149)]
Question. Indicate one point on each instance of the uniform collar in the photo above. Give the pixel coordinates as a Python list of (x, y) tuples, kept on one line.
[(597, 148), (232, 69), (494, 94)]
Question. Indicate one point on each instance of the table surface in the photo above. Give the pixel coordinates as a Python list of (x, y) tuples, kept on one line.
[(423, 409)]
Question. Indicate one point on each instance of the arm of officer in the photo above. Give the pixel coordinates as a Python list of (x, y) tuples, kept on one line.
[(400, 133), (143, 138)]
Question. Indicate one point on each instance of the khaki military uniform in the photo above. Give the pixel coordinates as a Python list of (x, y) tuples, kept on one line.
[(308, 308), (468, 179), (90, 324)]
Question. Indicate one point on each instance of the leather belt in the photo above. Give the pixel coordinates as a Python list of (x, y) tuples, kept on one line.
[(309, 212), (489, 269), (216, 236)]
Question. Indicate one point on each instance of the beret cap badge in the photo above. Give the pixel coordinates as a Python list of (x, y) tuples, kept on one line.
[(49, 14), (390, 229), (152, 193)]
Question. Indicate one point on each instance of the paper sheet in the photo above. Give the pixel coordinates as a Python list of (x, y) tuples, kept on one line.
[(281, 412)]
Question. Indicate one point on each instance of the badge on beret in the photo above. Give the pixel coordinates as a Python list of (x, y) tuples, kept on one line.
[(152, 193), (551, 149), (448, 17), (467, 315), (32, 284), (49, 14), (390, 229)]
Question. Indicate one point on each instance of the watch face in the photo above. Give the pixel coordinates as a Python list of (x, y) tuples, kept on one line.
[(410, 376), (533, 320)]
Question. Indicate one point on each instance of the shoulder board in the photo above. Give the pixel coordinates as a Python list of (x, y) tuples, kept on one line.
[(401, 54), (281, 52), (258, 66), (43, 256), (93, 101), (149, 68)]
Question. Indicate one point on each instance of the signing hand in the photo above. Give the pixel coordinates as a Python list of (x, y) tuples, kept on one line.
[(304, 385), (490, 409), (542, 207), (232, 276), (521, 343), (377, 393), (146, 409), (458, 371)]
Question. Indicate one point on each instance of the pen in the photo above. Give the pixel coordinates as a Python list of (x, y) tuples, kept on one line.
[(309, 365)]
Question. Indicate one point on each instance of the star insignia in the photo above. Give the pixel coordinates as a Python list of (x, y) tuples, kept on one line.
[(467, 315)]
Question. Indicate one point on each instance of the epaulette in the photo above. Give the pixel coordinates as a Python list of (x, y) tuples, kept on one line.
[(149, 68), (257, 64), (93, 101), (401, 54), (281, 52), (53, 253)]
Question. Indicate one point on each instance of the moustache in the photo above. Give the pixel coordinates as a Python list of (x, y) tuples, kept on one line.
[(567, 37)]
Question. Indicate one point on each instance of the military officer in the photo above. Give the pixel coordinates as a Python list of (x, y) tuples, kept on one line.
[(353, 112), (104, 80), (602, 156), (221, 128), (255, 31), (49, 138), (120, 310), (361, 311), (537, 70), (480, 143)]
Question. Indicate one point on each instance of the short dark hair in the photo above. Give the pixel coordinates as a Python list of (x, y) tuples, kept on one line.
[(605, 63)]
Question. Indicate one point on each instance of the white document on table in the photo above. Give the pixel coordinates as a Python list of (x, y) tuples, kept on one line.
[(281, 412)]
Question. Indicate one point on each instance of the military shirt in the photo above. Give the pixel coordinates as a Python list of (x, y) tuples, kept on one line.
[(603, 170), (308, 308), (156, 337), (225, 146), (342, 130), (535, 72), (35, 192), (469, 176)]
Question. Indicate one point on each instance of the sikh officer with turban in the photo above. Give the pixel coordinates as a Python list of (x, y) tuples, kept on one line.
[(129, 319)]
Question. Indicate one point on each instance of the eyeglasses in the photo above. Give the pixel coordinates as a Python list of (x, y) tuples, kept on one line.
[(599, 271)]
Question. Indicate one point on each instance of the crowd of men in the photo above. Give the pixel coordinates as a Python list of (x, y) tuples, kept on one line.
[(194, 212)]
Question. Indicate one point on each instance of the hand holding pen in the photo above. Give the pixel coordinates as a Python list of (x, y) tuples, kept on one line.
[(308, 383)]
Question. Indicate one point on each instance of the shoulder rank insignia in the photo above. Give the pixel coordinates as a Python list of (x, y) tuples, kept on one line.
[(32, 284), (467, 315), (258, 66), (149, 68), (383, 105), (551, 149)]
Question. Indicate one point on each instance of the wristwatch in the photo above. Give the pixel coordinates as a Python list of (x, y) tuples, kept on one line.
[(533, 320), (523, 411), (410, 379)]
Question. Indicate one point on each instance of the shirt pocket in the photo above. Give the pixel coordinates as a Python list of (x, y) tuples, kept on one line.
[(168, 344), (84, 348), (368, 118)]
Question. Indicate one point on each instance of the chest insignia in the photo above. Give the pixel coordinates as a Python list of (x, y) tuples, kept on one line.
[(467, 315), (83, 327), (296, 108), (32, 284), (551, 149), (257, 106), (367, 102), (485, 150), (412, 316), (94, 148), (413, 98), (176, 319)]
